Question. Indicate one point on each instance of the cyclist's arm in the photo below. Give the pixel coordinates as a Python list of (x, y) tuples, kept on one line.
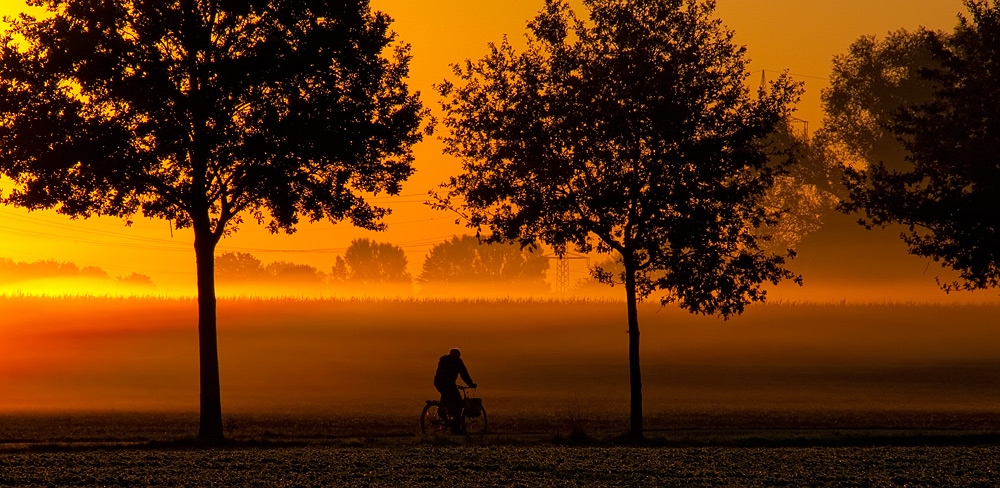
[(464, 372)]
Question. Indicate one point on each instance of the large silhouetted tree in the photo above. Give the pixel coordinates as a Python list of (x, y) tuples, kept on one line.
[(205, 111), (634, 133), (947, 195)]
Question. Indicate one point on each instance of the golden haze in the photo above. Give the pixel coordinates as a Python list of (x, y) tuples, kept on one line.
[(798, 35)]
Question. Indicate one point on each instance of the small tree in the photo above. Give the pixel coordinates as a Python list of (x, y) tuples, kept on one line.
[(366, 261), (631, 133), (201, 112), (946, 196)]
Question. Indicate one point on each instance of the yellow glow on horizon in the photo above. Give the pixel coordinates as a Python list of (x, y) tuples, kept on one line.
[(798, 35)]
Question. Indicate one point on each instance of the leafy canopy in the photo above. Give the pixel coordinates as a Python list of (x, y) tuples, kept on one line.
[(869, 85), (199, 110), (947, 195), (631, 132)]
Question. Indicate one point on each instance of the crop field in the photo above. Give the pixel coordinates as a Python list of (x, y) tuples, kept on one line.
[(103, 392)]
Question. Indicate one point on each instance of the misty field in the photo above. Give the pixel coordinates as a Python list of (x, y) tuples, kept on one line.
[(788, 365), (103, 392)]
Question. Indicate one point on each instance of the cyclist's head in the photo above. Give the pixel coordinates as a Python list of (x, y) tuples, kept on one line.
[(455, 352)]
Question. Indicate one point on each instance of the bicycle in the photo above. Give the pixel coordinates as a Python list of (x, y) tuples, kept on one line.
[(472, 417)]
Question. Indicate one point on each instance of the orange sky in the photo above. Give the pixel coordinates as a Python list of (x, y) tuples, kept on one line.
[(798, 35)]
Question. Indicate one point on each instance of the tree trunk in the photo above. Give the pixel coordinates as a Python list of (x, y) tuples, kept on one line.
[(635, 376), (208, 346)]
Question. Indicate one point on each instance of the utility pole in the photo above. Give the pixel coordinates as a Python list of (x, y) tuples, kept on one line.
[(562, 269), (793, 120)]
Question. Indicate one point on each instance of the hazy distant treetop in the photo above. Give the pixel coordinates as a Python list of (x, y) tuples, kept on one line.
[(366, 261), (241, 267), (14, 271), (287, 272), (807, 195), (11, 270), (236, 267), (465, 260), (947, 193), (869, 84)]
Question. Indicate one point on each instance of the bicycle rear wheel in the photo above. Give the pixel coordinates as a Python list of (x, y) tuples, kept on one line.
[(474, 425), (430, 421)]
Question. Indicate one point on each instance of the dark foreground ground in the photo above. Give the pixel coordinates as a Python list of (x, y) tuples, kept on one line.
[(506, 465), (778, 449)]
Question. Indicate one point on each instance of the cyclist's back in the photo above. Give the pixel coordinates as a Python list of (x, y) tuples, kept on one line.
[(449, 368)]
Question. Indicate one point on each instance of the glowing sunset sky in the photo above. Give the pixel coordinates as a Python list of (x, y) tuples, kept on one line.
[(798, 35)]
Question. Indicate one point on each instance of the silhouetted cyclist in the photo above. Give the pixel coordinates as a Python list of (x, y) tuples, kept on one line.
[(450, 367)]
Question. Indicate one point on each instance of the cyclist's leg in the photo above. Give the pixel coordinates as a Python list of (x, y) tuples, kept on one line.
[(449, 394), (451, 401)]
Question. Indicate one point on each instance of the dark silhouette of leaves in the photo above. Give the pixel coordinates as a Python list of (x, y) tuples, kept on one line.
[(632, 133), (869, 84), (946, 195), (205, 111)]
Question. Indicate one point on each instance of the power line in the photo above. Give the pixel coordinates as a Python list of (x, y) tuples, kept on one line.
[(78, 234), (797, 75)]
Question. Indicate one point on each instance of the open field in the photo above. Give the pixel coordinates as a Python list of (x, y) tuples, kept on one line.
[(103, 392)]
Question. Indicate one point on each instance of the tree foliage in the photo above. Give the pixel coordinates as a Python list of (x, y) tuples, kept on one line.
[(18, 271), (946, 196), (467, 260), (192, 109), (805, 196), (367, 262), (244, 268), (202, 112), (631, 132), (238, 267), (869, 84)]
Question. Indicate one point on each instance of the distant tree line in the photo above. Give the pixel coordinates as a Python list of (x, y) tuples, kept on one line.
[(240, 267), (14, 271), (461, 260)]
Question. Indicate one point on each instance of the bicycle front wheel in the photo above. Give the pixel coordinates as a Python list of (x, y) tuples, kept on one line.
[(474, 425), (429, 418)]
